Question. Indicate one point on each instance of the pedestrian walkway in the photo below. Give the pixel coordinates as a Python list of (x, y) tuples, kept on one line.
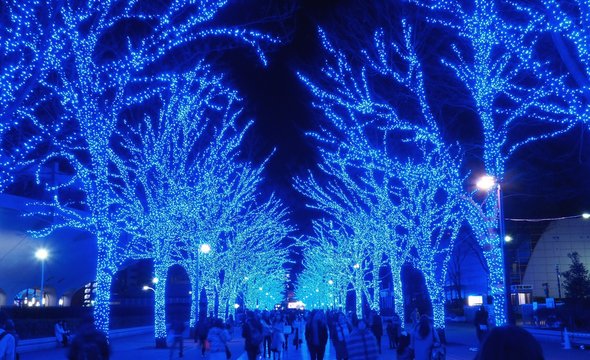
[(460, 338)]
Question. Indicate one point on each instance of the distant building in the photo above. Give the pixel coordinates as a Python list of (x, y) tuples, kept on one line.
[(549, 255)]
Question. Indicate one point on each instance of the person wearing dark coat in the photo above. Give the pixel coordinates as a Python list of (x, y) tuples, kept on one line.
[(377, 329), (252, 333), (89, 342), (316, 334), (481, 323)]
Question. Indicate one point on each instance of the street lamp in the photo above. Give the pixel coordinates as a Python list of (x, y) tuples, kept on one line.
[(487, 183), (146, 288), (42, 254)]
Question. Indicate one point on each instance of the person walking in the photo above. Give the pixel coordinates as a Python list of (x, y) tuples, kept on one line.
[(403, 350), (361, 344), (267, 332), (201, 331), (377, 328), (481, 323), (218, 337), (316, 334), (277, 336), (424, 339), (176, 329), (397, 326), (7, 340), (341, 333), (89, 342), (252, 333)]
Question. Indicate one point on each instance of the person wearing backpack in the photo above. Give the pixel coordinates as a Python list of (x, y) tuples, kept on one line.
[(89, 343), (7, 340), (252, 333)]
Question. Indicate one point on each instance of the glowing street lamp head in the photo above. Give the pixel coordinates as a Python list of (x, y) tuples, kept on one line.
[(145, 288), (205, 248), (508, 238), (586, 216), (331, 282), (236, 306), (356, 266), (155, 280), (42, 254), (486, 182)]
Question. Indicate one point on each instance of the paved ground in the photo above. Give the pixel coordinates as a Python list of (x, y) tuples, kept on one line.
[(460, 337)]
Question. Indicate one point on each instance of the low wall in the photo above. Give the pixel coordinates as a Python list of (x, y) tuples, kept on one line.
[(37, 344)]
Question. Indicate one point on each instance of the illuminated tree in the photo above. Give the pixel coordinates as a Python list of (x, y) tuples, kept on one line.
[(182, 186), (515, 97), (98, 64), (569, 21), (332, 254), (171, 174), (432, 216), (24, 37), (396, 171), (255, 243)]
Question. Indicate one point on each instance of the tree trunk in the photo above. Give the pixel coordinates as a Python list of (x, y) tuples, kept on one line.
[(398, 293), (435, 291), (194, 312), (161, 273), (210, 300), (497, 286), (102, 301)]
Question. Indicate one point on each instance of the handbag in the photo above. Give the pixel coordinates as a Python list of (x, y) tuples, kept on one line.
[(227, 353)]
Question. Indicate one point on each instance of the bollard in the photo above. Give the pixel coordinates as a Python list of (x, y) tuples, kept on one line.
[(566, 340)]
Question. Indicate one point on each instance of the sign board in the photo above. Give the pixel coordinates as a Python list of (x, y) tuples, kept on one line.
[(550, 303), (474, 300)]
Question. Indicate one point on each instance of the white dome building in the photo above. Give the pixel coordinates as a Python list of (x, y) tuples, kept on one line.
[(560, 238)]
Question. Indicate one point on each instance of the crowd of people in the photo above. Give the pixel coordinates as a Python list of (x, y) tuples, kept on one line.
[(269, 334), (266, 333)]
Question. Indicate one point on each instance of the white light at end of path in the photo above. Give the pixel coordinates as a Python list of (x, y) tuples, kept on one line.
[(586, 215)]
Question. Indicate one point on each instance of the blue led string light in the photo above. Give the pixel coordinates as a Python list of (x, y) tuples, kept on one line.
[(92, 82), (516, 96), (374, 188)]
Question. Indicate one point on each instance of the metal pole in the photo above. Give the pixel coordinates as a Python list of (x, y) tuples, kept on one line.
[(558, 283), (198, 290), (42, 279)]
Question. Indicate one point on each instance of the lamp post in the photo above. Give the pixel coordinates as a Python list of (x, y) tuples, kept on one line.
[(558, 282), (487, 183), (205, 249), (42, 254)]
